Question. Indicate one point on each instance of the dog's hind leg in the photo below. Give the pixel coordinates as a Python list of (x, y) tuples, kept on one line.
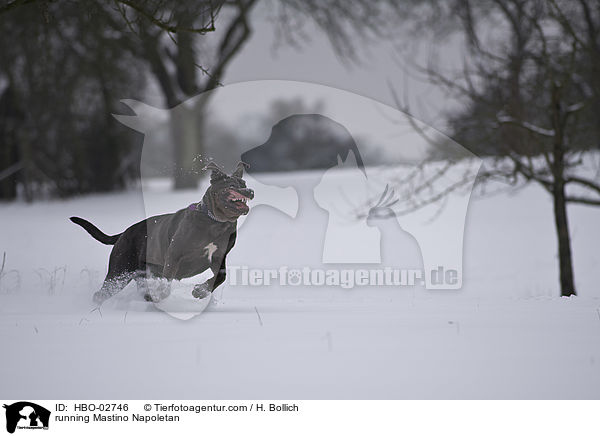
[(142, 286), (141, 280), (112, 285), (123, 267), (162, 288)]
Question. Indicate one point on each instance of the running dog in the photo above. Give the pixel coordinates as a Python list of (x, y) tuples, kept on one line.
[(178, 245)]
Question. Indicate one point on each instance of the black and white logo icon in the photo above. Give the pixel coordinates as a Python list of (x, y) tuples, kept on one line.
[(26, 415)]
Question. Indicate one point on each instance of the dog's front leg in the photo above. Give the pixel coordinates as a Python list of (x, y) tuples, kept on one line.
[(219, 270), (204, 290)]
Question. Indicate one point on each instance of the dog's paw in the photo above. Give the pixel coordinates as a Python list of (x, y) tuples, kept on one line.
[(201, 291)]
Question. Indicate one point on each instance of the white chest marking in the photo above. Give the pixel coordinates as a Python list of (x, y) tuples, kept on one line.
[(209, 250)]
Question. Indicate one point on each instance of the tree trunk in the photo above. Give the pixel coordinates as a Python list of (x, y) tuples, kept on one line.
[(567, 284), (186, 133), (10, 164)]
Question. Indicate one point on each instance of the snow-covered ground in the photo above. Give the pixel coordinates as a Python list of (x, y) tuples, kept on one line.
[(506, 334)]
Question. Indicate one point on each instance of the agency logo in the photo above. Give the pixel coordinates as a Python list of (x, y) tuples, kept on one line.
[(348, 182), (24, 415)]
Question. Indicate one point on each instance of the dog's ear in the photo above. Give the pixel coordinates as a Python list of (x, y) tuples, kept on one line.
[(217, 173), (239, 170)]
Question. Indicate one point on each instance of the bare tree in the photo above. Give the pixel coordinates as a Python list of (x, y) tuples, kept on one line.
[(61, 75), (187, 47), (162, 34), (185, 65), (530, 94), (167, 36)]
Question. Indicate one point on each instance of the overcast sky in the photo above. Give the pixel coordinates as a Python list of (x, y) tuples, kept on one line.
[(316, 62)]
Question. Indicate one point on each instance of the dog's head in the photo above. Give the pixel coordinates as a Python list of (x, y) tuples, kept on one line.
[(227, 196), (303, 142)]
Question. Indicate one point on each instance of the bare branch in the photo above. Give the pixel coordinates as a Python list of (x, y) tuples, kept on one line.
[(165, 24), (237, 34), (14, 4), (575, 107), (7, 172), (415, 203), (584, 182), (582, 200), (502, 119)]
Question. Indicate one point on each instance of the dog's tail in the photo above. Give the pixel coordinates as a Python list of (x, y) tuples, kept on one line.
[(95, 231)]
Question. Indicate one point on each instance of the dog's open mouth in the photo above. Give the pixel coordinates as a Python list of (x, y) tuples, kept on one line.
[(240, 200)]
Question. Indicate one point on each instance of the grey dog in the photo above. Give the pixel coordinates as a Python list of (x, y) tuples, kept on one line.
[(178, 245)]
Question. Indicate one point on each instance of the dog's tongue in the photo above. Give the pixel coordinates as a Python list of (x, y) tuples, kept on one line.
[(240, 205)]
